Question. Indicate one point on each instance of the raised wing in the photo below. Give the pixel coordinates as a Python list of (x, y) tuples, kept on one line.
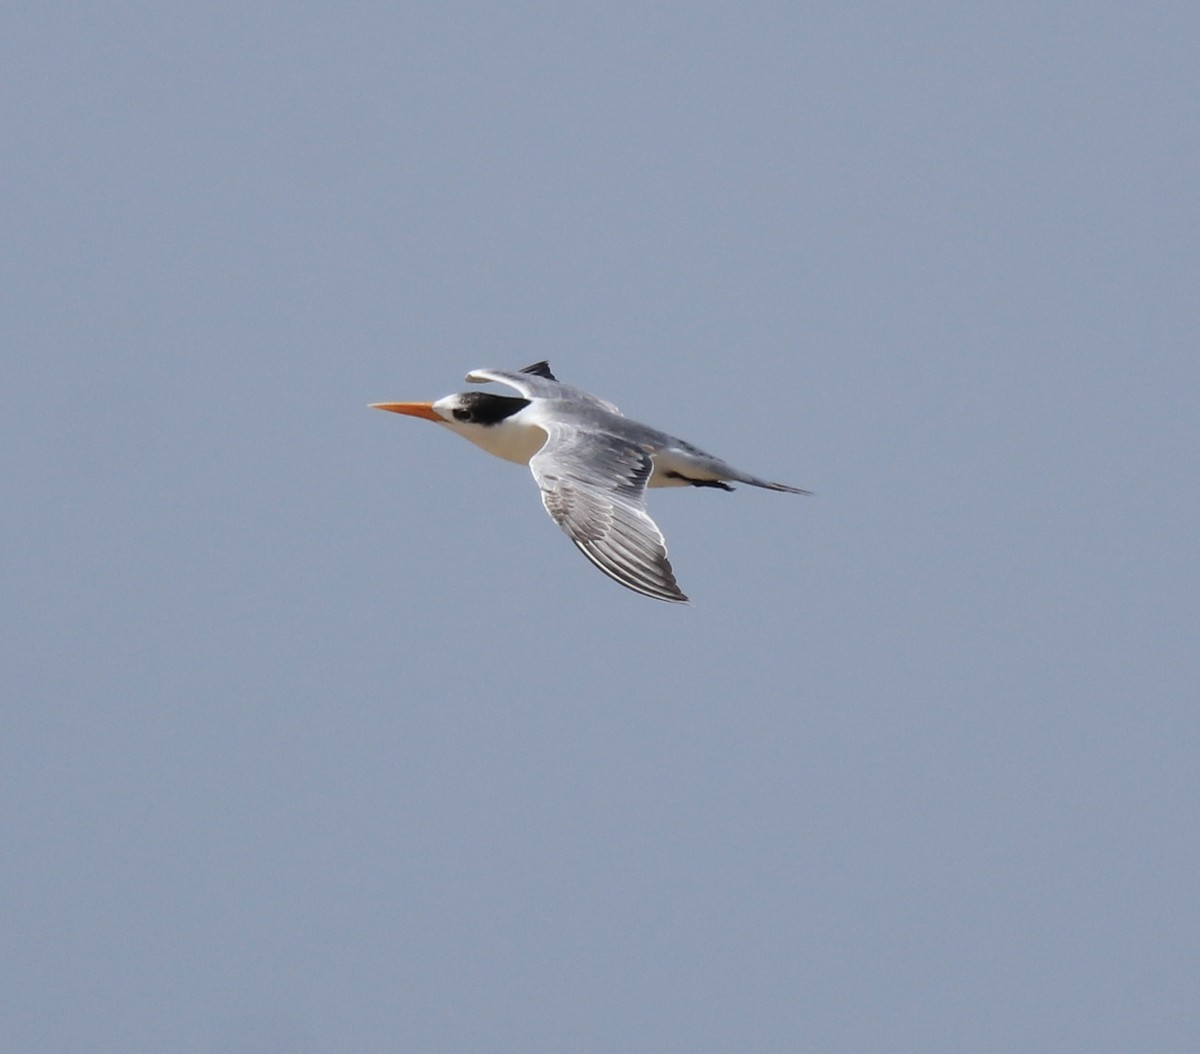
[(540, 369), (593, 487), (537, 382)]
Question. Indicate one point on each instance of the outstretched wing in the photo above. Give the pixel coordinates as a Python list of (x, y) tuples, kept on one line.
[(594, 488), (537, 382)]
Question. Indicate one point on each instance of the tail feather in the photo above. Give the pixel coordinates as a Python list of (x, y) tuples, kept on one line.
[(754, 481)]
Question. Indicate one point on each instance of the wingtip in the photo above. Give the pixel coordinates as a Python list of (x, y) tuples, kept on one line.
[(667, 598), (678, 596)]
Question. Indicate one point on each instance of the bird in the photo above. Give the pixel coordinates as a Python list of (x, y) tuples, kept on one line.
[(591, 463)]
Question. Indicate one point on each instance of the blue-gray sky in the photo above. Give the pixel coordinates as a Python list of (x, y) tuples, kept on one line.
[(318, 735)]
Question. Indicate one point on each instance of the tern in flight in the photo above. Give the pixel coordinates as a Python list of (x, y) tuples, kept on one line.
[(592, 463)]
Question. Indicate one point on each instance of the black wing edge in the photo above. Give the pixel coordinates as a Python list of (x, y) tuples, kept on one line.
[(540, 369)]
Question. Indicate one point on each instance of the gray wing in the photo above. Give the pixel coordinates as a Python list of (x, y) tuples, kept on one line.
[(538, 386), (594, 487)]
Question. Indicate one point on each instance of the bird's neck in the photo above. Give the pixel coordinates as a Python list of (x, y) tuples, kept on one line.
[(510, 439)]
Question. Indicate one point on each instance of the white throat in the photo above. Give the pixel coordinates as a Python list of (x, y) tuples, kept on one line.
[(510, 439)]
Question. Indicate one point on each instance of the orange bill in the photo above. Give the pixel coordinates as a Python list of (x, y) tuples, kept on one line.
[(424, 410)]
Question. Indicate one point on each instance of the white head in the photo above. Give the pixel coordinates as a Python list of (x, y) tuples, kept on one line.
[(489, 421)]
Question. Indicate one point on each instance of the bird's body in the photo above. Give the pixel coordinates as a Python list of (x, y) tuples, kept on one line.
[(592, 464)]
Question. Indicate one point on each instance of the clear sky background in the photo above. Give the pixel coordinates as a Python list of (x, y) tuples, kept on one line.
[(318, 735)]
